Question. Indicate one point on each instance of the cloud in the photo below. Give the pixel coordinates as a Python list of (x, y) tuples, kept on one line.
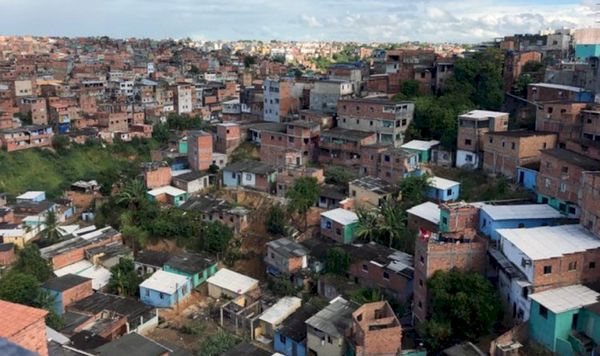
[(359, 20)]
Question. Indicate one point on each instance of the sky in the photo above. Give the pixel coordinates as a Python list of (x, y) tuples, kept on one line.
[(465, 21)]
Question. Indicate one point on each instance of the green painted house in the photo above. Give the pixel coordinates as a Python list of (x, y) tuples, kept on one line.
[(195, 266), (339, 224), (564, 319), (421, 148)]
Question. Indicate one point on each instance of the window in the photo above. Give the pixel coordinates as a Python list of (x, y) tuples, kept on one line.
[(547, 269), (564, 170), (161, 295), (544, 145), (272, 255), (521, 225), (444, 220), (420, 282), (491, 139), (328, 224), (524, 292), (147, 292), (420, 305), (543, 312), (282, 338), (469, 158), (467, 142), (338, 231), (386, 276), (572, 266), (422, 259), (592, 265), (513, 145), (523, 262), (563, 187), (365, 268), (371, 123), (386, 158)]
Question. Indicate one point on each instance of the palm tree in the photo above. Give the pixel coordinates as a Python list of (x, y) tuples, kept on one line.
[(51, 231), (132, 194), (392, 221), (367, 224)]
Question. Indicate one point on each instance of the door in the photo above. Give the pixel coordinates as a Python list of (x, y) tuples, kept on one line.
[(521, 177)]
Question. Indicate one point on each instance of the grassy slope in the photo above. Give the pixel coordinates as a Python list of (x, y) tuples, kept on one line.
[(53, 172)]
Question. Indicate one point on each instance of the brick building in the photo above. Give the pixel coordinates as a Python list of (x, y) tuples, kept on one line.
[(472, 128), (385, 269), (561, 117), (36, 107), (26, 137), (456, 246), (68, 289), (504, 151), (514, 61), (343, 147), (387, 118), (542, 92), (541, 258), (200, 150), (559, 179), (589, 201), (591, 124), (376, 330), (157, 174), (7, 254), (280, 100), (24, 326), (73, 250), (228, 137), (294, 146)]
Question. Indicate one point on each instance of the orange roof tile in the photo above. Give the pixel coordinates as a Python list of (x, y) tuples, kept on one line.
[(16, 317)]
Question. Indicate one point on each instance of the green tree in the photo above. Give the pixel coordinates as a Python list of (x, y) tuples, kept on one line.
[(410, 88), (25, 289), (368, 223), (464, 306), (302, 196), (217, 344), (194, 70), (366, 295), (161, 133), (282, 285), (51, 232), (60, 142), (124, 280), (275, 220), (31, 263), (132, 195), (392, 222), (216, 237), (520, 86), (249, 61), (338, 175), (337, 261), (413, 189)]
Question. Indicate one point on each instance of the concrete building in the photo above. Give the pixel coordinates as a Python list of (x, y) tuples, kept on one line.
[(472, 129), (285, 256), (165, 289), (251, 174), (273, 317), (326, 93), (326, 330), (388, 119), (564, 320), (157, 174), (423, 148), (230, 284), (503, 152), (339, 225), (344, 147), (195, 266), (168, 195), (295, 144), (541, 92), (370, 192), (279, 99), (183, 98), (542, 258), (442, 190), (290, 337)]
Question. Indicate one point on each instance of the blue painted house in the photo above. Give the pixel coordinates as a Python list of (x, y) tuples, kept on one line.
[(585, 51), (194, 266), (443, 190), (165, 289), (67, 289), (290, 337), (494, 217), (527, 176), (560, 322)]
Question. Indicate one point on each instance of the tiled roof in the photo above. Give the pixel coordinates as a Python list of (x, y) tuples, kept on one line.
[(16, 317)]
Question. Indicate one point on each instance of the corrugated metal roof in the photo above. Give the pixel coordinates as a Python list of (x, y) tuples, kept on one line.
[(567, 298), (428, 211), (525, 211), (545, 242), (341, 216)]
